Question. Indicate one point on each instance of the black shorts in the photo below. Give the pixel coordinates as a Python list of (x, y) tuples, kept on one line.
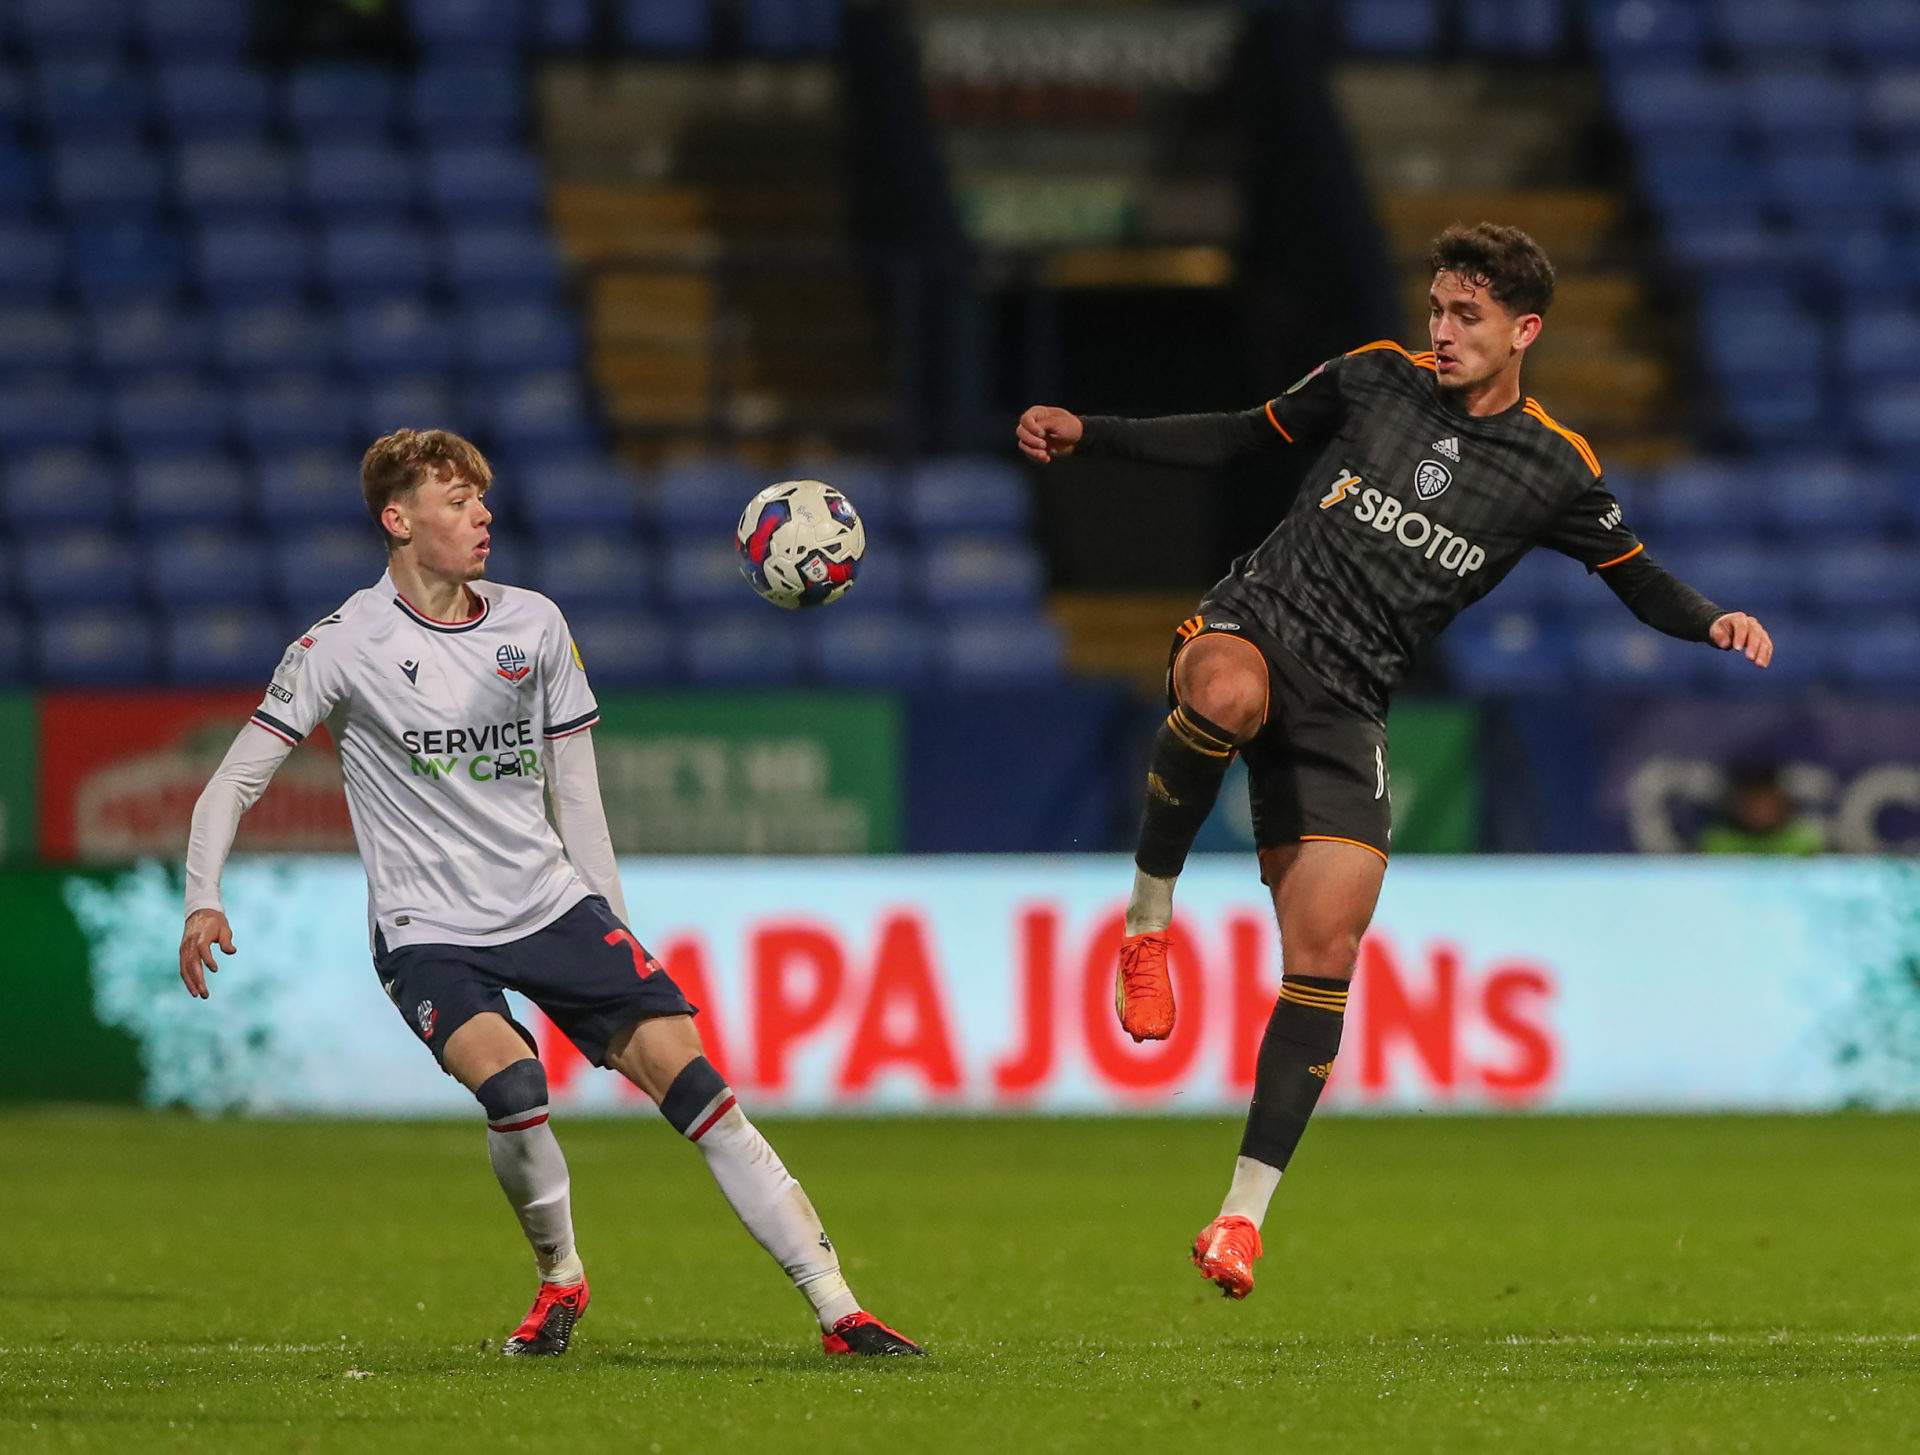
[(586, 971), (1316, 769)]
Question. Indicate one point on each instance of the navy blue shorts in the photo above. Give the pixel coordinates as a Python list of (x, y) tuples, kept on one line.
[(586, 971)]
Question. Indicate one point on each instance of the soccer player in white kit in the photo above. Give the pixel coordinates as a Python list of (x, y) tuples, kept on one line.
[(459, 706)]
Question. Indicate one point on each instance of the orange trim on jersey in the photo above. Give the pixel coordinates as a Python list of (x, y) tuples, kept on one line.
[(1585, 450), (1336, 839), (1274, 421), (1618, 559), (1189, 627), (1419, 361)]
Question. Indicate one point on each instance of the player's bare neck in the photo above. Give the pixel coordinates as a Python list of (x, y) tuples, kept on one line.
[(437, 597), (1488, 397)]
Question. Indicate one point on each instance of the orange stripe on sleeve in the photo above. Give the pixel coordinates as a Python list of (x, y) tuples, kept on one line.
[(1618, 559), (1274, 420)]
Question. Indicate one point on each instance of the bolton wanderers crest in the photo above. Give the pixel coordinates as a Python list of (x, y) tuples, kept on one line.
[(513, 662), (1431, 480)]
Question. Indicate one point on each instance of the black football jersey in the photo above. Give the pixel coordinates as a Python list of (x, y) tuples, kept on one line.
[(1411, 512)]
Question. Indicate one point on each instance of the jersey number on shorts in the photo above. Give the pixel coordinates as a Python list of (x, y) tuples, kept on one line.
[(644, 965)]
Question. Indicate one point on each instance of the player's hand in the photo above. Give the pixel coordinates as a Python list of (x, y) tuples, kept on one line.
[(1738, 632), (205, 929), (1047, 433)]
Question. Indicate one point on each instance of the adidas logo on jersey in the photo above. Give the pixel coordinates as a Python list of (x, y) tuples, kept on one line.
[(1450, 447)]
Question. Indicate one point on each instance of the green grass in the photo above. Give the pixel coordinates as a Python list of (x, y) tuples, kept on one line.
[(1432, 1285)]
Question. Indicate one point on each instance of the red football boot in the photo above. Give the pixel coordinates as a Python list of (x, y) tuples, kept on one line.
[(1224, 1254), (862, 1333), (549, 1323), (1143, 990)]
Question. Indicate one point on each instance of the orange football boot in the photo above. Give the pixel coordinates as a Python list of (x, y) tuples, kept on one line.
[(1143, 991), (1224, 1254)]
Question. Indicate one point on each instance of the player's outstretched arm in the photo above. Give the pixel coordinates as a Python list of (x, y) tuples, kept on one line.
[(1667, 604), (573, 784), (1200, 441), (235, 787), (1738, 632), (205, 929)]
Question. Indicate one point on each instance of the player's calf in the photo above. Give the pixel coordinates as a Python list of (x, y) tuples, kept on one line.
[(531, 1168)]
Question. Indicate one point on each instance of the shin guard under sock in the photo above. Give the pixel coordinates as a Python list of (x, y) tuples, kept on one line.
[(1296, 1058), (1189, 762)]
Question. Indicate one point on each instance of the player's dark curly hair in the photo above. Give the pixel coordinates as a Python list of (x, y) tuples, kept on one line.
[(400, 463), (1504, 260)]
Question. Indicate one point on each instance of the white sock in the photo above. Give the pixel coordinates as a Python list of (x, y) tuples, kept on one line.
[(533, 1174), (776, 1211), (1150, 907), (1252, 1190)]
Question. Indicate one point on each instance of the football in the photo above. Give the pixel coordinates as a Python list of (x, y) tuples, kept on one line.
[(800, 543)]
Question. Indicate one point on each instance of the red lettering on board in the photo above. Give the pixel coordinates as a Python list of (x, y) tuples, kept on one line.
[(785, 1012), (685, 961), (1152, 1064), (1032, 1063), (1512, 1000), (1253, 997), (903, 1022), (1394, 1014)]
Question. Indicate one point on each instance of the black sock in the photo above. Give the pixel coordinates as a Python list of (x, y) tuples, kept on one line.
[(1190, 758), (1296, 1058)]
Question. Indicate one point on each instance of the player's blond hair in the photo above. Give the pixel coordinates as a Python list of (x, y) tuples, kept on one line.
[(400, 463)]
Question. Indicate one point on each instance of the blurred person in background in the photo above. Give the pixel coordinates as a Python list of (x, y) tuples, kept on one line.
[(1758, 816)]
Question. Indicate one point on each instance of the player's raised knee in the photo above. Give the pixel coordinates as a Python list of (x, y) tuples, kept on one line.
[(516, 1098)]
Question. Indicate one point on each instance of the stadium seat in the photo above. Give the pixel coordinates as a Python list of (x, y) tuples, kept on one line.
[(1642, 31), (981, 573), (221, 180), (220, 644), (64, 568), (1866, 267), (361, 263), (531, 413), (253, 262), (409, 401), (60, 487), (1887, 420), (79, 29), (147, 337), (40, 337), (273, 337), (1738, 576), (97, 100), (564, 24), (875, 648), (1702, 182), (16, 97), (32, 262), (802, 27), (493, 265), (1000, 651), (1811, 500), (201, 102), (1635, 657), (400, 335), (1514, 27), (484, 184), (485, 27), (756, 647), (519, 336), (1390, 27), (48, 410), (1495, 648), (127, 260), (590, 571), (195, 30), (624, 648), (666, 25), (977, 494), (1830, 191), (16, 654), (582, 494), (23, 181), (1750, 341), (705, 495), (207, 567), (703, 574), (184, 490), (338, 102), (1879, 32), (1778, 411), (1864, 575), (1886, 656), (304, 488), (318, 570), (110, 180), (171, 412), (1763, 29), (362, 181), (94, 646), (470, 104), (1680, 106), (298, 412)]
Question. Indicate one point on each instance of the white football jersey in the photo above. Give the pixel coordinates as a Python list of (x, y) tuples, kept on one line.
[(440, 727)]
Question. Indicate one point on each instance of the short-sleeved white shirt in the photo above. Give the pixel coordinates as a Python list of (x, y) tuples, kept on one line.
[(440, 727)]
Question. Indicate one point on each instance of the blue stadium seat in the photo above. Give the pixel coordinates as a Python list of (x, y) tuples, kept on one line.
[(1885, 656), (882, 580), (94, 646), (339, 102), (398, 336), (1703, 498), (115, 180), (705, 495), (877, 648), (195, 30), (272, 337), (1000, 650), (184, 489), (591, 571), (93, 101), (32, 262), (976, 494), (41, 337), (362, 263), (1877, 342), (1496, 648), (510, 560), (72, 28), (518, 337), (1880, 32), (377, 183), (753, 647), (1679, 105), (207, 567), (1632, 656), (1391, 27), (23, 181), (1887, 420), (239, 263), (16, 653), (1830, 191), (48, 410), (127, 260), (147, 337), (1642, 31), (811, 27), (302, 488), (485, 27), (485, 184), (408, 401), (564, 24), (1515, 27), (1740, 577), (666, 25), (624, 648), (1778, 409), (702, 574), (65, 567), (217, 102), (981, 573), (1773, 28), (1761, 341), (561, 497), (1871, 266), (531, 413), (495, 264), (61, 487), (1867, 574), (319, 569), (16, 96), (1702, 181), (467, 104), (298, 412), (220, 644), (236, 179)]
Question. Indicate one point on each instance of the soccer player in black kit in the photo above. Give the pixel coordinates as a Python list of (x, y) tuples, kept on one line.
[(1433, 476)]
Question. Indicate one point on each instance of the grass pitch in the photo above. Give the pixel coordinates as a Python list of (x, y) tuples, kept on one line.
[(1432, 1285)]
